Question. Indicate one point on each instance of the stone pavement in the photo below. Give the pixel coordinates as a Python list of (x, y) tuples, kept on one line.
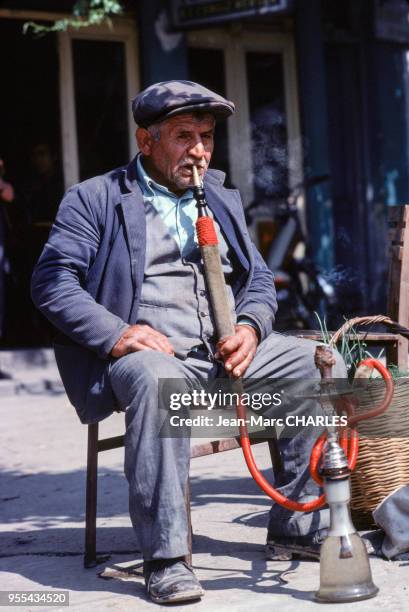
[(42, 502)]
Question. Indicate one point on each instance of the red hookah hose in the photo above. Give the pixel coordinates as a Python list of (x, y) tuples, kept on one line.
[(350, 450), (207, 237)]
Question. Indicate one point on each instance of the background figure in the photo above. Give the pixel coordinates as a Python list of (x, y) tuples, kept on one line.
[(6, 197), (45, 188), (38, 201), (24, 229), (42, 198), (42, 195)]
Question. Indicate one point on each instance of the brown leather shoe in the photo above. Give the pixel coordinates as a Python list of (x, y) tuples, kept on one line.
[(171, 581)]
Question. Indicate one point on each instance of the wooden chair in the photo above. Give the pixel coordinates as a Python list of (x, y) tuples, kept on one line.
[(397, 353), (96, 446)]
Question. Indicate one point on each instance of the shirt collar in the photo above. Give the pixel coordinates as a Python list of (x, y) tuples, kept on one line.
[(152, 188)]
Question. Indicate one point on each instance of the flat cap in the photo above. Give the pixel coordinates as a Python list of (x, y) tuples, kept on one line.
[(169, 98)]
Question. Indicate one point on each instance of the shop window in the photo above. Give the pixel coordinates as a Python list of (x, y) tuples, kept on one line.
[(263, 146)]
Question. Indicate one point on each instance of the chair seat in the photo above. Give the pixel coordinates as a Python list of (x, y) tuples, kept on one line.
[(369, 337), (197, 450)]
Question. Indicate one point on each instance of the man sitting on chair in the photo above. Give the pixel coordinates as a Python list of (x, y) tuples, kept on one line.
[(122, 279)]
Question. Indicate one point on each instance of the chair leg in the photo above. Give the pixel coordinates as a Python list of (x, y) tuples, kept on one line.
[(275, 455), (188, 557), (90, 556)]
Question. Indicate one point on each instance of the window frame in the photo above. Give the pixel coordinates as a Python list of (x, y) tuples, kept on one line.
[(235, 43), (121, 30)]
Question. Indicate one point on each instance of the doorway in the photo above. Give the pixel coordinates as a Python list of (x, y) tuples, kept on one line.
[(65, 116), (98, 78)]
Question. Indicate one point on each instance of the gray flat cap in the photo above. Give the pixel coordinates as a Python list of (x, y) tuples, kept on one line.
[(169, 98)]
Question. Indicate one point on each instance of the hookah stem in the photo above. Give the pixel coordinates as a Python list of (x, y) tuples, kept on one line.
[(209, 247)]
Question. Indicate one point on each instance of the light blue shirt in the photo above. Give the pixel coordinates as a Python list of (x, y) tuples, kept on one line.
[(178, 213)]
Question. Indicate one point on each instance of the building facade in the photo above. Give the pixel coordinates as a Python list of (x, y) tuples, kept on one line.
[(322, 109)]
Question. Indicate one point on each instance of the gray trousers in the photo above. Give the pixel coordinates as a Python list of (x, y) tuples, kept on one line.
[(157, 468)]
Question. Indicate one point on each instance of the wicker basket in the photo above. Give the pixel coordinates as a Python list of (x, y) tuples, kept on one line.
[(383, 459)]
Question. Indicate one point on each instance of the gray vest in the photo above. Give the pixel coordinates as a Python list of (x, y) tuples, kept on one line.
[(174, 298)]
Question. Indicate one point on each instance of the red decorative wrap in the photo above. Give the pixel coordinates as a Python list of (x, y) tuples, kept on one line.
[(206, 233)]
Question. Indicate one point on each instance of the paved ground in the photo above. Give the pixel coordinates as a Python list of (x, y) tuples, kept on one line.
[(42, 460)]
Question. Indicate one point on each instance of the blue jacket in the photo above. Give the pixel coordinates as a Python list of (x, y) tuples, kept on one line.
[(88, 279)]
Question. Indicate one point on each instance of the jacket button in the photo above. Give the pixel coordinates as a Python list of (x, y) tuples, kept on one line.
[(203, 314), (202, 292)]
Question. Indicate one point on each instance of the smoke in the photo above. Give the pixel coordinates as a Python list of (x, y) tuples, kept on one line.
[(270, 153), (276, 158), (340, 275)]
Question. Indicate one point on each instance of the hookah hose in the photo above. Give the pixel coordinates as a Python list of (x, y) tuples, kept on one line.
[(350, 449), (208, 243)]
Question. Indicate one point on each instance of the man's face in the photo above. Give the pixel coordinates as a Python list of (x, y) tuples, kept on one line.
[(172, 148)]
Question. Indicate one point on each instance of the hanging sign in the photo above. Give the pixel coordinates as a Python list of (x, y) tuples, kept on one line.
[(187, 13)]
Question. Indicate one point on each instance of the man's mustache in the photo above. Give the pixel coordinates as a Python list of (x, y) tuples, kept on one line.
[(190, 162)]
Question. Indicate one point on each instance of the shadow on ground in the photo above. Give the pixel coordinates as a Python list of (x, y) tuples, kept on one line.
[(47, 549), (45, 497), (256, 576)]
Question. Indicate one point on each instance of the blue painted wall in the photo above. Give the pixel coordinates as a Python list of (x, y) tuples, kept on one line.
[(313, 108), (368, 102), (388, 184)]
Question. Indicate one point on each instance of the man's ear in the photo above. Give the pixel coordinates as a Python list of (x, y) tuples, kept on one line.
[(144, 140)]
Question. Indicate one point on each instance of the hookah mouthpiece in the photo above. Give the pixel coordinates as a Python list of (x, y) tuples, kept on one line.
[(199, 194), (196, 180)]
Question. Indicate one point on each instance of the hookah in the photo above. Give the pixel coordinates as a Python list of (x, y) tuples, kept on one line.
[(345, 574)]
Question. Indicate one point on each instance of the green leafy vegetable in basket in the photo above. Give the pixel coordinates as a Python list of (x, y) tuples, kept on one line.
[(354, 349)]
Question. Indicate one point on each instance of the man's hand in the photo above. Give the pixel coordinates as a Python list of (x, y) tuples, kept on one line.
[(237, 351), (141, 338)]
